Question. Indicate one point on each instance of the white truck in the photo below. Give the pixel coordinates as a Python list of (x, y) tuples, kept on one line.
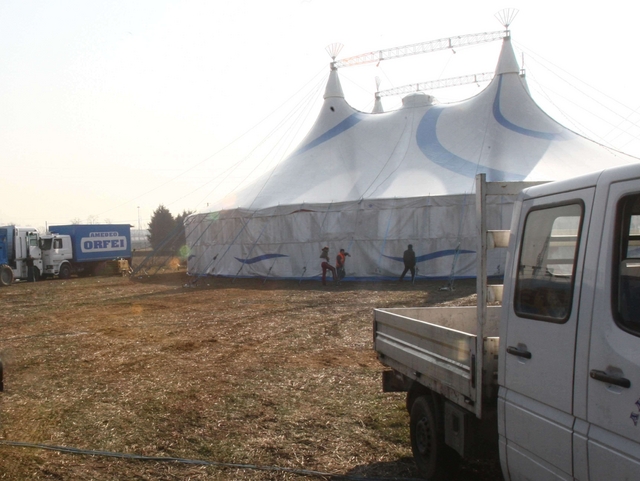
[(20, 254), (550, 380)]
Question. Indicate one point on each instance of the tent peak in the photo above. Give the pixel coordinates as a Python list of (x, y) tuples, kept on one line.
[(333, 88), (507, 62)]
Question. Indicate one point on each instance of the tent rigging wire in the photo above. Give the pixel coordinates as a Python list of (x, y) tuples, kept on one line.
[(219, 150), (395, 147), (299, 126), (204, 217), (197, 462), (540, 60), (268, 178), (580, 127), (384, 240), (243, 227), (456, 254), (301, 107), (215, 259), (621, 131), (174, 233), (244, 260), (159, 251)]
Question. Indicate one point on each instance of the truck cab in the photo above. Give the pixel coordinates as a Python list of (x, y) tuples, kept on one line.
[(554, 384), (22, 253), (57, 253), (569, 373)]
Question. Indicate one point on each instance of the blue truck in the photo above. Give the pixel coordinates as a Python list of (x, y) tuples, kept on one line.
[(85, 249)]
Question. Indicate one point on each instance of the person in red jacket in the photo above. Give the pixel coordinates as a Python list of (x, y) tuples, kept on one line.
[(327, 267), (341, 258)]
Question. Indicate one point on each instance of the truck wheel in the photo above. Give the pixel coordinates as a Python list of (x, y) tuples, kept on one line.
[(435, 460), (6, 275), (65, 272)]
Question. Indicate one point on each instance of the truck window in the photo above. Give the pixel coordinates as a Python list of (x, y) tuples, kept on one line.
[(33, 240), (626, 283), (546, 268), (57, 243)]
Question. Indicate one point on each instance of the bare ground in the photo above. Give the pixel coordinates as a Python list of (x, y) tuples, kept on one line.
[(269, 374)]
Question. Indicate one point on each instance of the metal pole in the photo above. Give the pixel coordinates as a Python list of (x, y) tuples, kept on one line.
[(481, 284)]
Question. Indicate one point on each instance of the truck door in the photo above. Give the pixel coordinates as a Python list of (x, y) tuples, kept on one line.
[(613, 376), (57, 251), (539, 335)]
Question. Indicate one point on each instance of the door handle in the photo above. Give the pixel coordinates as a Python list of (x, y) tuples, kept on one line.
[(615, 380), (517, 352)]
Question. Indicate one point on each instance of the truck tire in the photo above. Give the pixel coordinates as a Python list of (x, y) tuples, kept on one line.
[(6, 275), (435, 460), (65, 271)]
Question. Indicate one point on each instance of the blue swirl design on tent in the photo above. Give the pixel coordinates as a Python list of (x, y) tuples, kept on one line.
[(501, 119), (263, 257), (433, 255), (343, 126), (427, 140)]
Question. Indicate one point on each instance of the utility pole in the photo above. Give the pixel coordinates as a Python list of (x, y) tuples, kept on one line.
[(139, 231)]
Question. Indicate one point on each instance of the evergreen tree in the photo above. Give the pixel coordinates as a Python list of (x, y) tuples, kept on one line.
[(181, 240), (161, 230)]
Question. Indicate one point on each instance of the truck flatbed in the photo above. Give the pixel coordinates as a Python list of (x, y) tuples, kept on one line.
[(436, 347)]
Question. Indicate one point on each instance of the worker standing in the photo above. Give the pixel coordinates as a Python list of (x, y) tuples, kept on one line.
[(31, 273), (327, 267), (341, 258), (409, 259)]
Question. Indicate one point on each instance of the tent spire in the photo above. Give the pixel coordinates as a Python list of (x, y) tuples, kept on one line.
[(377, 105), (333, 89), (507, 62)]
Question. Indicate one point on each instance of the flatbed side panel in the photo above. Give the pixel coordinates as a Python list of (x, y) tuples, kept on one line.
[(422, 349), (462, 318)]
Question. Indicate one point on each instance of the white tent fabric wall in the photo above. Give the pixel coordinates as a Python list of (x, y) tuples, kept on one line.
[(372, 183), (285, 242)]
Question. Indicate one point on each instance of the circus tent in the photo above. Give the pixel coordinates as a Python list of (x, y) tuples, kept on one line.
[(372, 183)]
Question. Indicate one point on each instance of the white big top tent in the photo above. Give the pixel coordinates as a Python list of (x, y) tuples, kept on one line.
[(372, 183)]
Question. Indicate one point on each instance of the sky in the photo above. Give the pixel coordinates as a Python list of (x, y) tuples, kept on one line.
[(109, 109)]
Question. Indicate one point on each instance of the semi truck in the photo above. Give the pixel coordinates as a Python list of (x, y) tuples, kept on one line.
[(548, 379), (20, 254), (85, 249)]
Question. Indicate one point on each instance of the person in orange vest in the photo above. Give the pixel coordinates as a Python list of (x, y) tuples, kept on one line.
[(327, 267), (341, 258)]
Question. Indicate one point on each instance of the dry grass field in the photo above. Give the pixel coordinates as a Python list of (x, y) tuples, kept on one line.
[(273, 380)]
